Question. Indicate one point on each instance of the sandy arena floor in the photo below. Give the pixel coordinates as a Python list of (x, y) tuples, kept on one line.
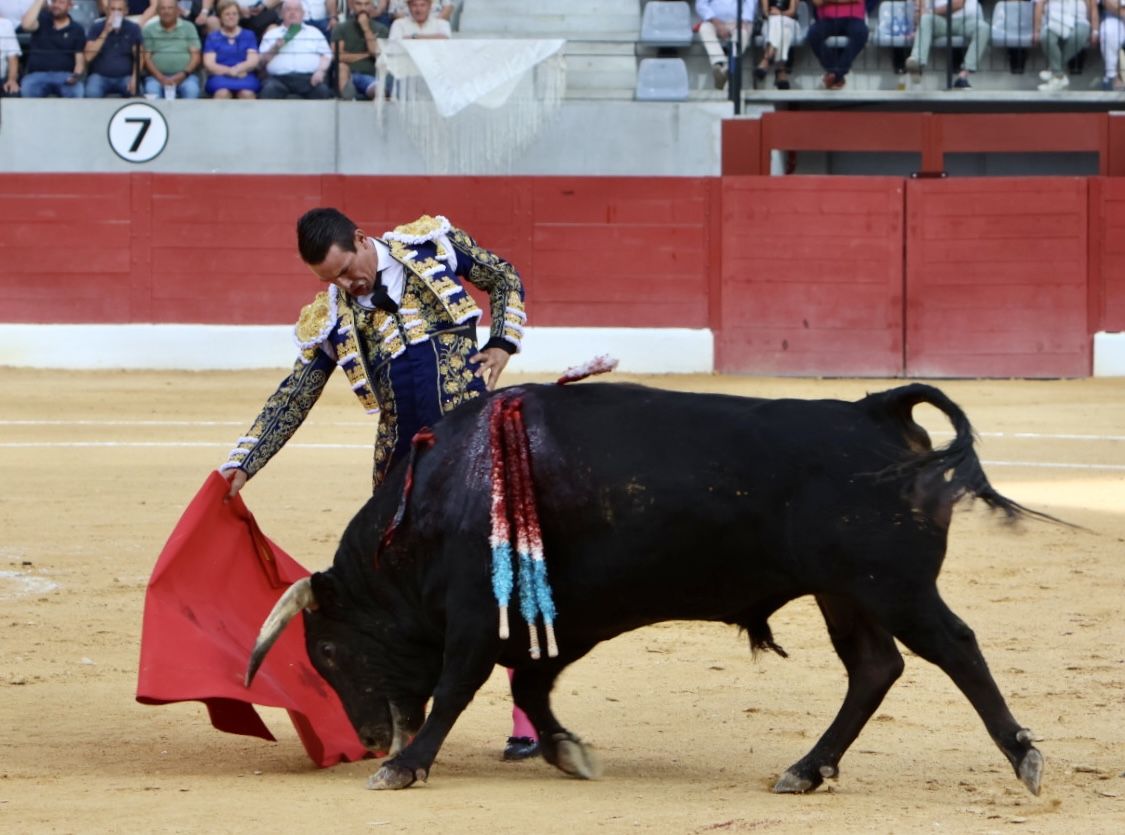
[(97, 467)]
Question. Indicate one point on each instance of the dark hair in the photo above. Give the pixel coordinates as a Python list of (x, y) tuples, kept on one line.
[(318, 229)]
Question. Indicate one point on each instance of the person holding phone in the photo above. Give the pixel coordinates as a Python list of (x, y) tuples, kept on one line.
[(55, 57), (295, 56), (111, 48)]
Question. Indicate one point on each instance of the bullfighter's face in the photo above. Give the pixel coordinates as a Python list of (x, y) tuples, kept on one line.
[(352, 271)]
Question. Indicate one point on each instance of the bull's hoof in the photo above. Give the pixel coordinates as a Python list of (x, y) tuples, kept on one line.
[(1031, 770), (571, 756), (392, 776), (793, 783)]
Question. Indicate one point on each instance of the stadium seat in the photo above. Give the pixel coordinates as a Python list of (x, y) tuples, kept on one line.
[(1011, 23), (662, 79), (666, 24), (895, 26)]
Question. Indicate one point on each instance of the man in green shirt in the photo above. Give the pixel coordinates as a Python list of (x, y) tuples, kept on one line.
[(171, 55), (356, 43)]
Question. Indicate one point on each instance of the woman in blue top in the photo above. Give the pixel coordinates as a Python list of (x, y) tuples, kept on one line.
[(230, 55)]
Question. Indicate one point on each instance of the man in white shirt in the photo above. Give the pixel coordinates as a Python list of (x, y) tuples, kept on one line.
[(419, 25), (718, 31), (9, 58), (295, 56)]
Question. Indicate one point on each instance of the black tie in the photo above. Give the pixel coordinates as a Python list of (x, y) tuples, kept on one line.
[(379, 297)]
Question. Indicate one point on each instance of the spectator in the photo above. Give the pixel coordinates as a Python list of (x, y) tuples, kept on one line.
[(419, 24), (12, 10), (781, 31), (55, 62), (440, 8), (230, 57), (1111, 35), (9, 59), (967, 21), (171, 54), (258, 17), (323, 14), (1069, 26), (358, 47), (139, 12), (111, 53), (838, 18), (295, 56), (717, 32)]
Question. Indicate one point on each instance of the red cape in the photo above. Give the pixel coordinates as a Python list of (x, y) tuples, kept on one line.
[(217, 579)]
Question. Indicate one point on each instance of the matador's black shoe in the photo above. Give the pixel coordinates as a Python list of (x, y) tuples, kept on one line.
[(521, 748)]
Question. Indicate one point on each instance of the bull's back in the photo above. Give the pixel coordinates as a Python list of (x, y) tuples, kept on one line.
[(659, 505)]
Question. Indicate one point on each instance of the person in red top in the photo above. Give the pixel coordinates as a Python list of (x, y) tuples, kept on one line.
[(838, 18)]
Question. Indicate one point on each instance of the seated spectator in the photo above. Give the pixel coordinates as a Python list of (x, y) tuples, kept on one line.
[(357, 38), (1111, 35), (257, 16), (838, 18), (1066, 28), (55, 62), (967, 21), (418, 24), (717, 32), (780, 31), (9, 59), (323, 14), (139, 12), (171, 54), (295, 56), (440, 8), (230, 57), (112, 48), (12, 10)]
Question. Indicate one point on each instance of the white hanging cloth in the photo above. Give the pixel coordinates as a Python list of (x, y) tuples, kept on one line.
[(472, 105)]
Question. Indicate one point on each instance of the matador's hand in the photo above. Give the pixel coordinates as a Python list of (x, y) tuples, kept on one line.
[(492, 361), (237, 479)]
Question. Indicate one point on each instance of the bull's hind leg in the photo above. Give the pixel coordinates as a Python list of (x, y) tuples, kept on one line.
[(531, 691), (930, 629), (873, 663)]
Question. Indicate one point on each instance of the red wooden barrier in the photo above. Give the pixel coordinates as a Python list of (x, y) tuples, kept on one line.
[(1107, 256), (812, 276), (996, 278)]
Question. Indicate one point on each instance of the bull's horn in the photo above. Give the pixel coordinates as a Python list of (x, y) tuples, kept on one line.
[(297, 597)]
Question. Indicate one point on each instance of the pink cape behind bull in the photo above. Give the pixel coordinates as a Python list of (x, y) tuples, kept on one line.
[(216, 580)]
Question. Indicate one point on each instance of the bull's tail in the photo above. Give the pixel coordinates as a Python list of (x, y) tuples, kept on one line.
[(939, 478)]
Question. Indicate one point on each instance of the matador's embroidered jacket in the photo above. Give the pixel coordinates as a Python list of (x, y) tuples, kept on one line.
[(410, 366)]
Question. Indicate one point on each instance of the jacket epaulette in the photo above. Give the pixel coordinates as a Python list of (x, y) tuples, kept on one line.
[(316, 322), (425, 228)]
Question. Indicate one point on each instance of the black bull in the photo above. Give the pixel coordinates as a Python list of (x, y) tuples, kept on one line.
[(654, 506)]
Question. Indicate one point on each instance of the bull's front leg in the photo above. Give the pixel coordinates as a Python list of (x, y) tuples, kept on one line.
[(469, 656)]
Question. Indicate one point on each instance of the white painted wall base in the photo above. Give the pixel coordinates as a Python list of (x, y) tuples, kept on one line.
[(229, 347), (1109, 354)]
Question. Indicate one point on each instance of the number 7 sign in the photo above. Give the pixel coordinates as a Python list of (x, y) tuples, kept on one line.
[(138, 132)]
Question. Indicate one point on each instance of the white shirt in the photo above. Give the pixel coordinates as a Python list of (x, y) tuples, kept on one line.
[(404, 28), (13, 9), (725, 9), (392, 274), (301, 55), (937, 7), (315, 9), (9, 45)]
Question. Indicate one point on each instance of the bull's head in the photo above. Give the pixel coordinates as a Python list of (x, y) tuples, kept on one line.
[(346, 645)]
